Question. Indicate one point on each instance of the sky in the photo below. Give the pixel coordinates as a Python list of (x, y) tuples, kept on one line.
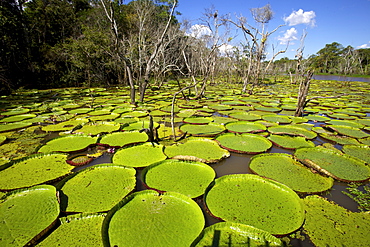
[(324, 22)]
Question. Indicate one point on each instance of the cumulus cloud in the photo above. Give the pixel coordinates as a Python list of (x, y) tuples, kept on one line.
[(301, 17), (289, 35), (226, 48), (364, 46), (198, 31)]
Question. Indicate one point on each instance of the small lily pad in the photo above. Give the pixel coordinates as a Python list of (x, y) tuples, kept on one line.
[(188, 178), (197, 149), (244, 143), (139, 156), (168, 219), (69, 143), (121, 139)]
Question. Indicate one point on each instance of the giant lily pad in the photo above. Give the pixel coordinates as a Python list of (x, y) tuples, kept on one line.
[(235, 234), (339, 166), (292, 130), (149, 218), (17, 118), (245, 127), (68, 143), (98, 128), (290, 142), (25, 214), (210, 129), (33, 170), (244, 143), (361, 152), (256, 201), (328, 224), (120, 139), (65, 126), (245, 116), (14, 126), (97, 188), (77, 230), (198, 120), (343, 140), (348, 131), (140, 125), (276, 118), (188, 178), (140, 155), (197, 149), (284, 169)]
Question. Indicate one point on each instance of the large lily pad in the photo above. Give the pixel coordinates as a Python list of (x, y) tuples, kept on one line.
[(14, 126), (26, 213), (139, 156), (77, 230), (68, 143), (245, 127), (235, 234), (348, 131), (256, 201), (120, 139), (284, 169), (290, 142), (361, 152), (343, 140), (65, 126), (97, 188), (292, 130), (245, 116), (188, 178), (197, 149), (276, 118), (339, 166), (98, 128), (149, 218), (244, 143), (198, 120), (139, 125), (211, 129), (328, 224), (33, 170), (17, 118)]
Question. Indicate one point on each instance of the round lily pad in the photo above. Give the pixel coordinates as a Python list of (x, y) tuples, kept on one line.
[(267, 108), (65, 126), (188, 178), (98, 128), (245, 127), (33, 170), (26, 213), (15, 111), (120, 139), (292, 130), (284, 169), (290, 142), (14, 126), (348, 131), (198, 120), (276, 118), (235, 234), (139, 125), (361, 152), (68, 143), (256, 201), (339, 166), (245, 116), (140, 155), (77, 230), (343, 140), (244, 143), (348, 123), (211, 129), (97, 188), (147, 217), (197, 149), (17, 118), (317, 118)]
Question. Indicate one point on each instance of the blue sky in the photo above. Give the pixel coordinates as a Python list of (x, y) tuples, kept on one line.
[(344, 21)]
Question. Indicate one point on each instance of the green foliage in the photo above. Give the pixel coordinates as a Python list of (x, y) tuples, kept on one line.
[(362, 197)]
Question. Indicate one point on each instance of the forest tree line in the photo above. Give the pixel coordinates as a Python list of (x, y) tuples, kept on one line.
[(74, 43)]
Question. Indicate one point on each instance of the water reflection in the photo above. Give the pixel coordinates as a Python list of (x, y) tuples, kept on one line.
[(340, 78)]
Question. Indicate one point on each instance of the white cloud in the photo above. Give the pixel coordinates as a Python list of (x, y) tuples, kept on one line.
[(289, 35), (301, 17), (364, 46), (198, 31), (226, 48)]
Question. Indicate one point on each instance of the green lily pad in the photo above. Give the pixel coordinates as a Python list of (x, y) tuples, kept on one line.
[(256, 201), (33, 170), (235, 234), (140, 125), (98, 128), (80, 111), (339, 166), (188, 178), (168, 219), (328, 224), (348, 131), (244, 143), (198, 120), (126, 120), (107, 117), (284, 169), (361, 152), (17, 118), (365, 141), (245, 127), (292, 130), (365, 122), (16, 111), (245, 116), (139, 156), (223, 120), (14, 126), (277, 118), (120, 139), (25, 214), (342, 116), (197, 149), (348, 123), (317, 118), (2, 139), (211, 129), (267, 108), (83, 191), (65, 126), (343, 140), (220, 107), (77, 230), (69, 143), (290, 142)]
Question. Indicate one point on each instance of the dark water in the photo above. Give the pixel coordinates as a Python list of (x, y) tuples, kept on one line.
[(340, 78)]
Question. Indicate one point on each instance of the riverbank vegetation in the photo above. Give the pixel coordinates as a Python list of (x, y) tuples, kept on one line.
[(65, 43)]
